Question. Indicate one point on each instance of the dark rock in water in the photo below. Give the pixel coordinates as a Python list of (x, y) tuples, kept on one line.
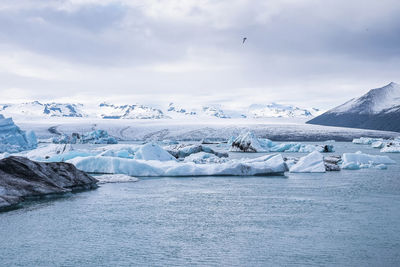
[(21, 178)]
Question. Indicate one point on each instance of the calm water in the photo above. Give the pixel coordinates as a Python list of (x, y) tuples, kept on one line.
[(349, 218)]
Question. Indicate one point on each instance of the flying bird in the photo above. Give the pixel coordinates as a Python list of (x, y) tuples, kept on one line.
[(244, 40)]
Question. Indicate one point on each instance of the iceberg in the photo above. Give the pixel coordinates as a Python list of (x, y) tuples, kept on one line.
[(204, 158), (115, 178), (266, 165), (358, 160), (313, 162), (152, 151), (64, 152), (366, 140), (247, 142), (391, 147), (56, 153), (378, 144), (183, 150), (94, 137), (13, 139)]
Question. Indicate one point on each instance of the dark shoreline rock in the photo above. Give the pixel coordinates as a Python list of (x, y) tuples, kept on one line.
[(21, 178)]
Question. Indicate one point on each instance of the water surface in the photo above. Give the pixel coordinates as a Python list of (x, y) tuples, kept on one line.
[(347, 218)]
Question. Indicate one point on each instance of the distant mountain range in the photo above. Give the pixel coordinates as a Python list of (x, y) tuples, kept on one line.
[(379, 109), (172, 111), (38, 109)]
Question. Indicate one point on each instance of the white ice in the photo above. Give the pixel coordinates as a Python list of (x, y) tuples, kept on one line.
[(115, 178), (313, 162), (266, 165), (13, 139), (358, 160)]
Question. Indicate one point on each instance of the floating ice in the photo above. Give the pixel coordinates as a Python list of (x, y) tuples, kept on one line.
[(56, 153), (358, 160), (391, 147), (366, 140), (13, 139), (115, 178), (313, 162), (183, 150), (378, 144), (247, 142), (204, 157), (94, 137), (266, 165), (151, 151)]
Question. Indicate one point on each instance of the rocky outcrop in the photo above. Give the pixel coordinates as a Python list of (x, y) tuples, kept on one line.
[(21, 178)]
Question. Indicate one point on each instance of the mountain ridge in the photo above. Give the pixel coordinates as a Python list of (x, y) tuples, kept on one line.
[(378, 109)]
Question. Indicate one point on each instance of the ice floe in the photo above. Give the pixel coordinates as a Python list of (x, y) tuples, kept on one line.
[(204, 158), (266, 165), (94, 137), (366, 140), (247, 142), (313, 162), (115, 178), (184, 150), (358, 160)]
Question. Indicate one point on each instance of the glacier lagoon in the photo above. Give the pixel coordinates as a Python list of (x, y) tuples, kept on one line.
[(346, 218)]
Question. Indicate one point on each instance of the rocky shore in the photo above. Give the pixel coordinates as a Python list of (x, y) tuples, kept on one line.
[(21, 179)]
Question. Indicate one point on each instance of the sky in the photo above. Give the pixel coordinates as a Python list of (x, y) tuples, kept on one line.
[(304, 52)]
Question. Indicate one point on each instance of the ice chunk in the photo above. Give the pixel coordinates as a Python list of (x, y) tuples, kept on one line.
[(267, 165), (378, 144), (94, 137), (152, 151), (149, 151), (56, 153), (381, 167), (13, 139), (302, 148), (313, 162), (354, 161), (247, 142), (366, 140), (115, 178), (183, 150), (391, 147), (204, 157)]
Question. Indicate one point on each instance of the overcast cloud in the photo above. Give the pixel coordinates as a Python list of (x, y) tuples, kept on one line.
[(303, 52)]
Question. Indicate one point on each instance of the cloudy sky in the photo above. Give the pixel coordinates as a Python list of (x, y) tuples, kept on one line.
[(303, 52)]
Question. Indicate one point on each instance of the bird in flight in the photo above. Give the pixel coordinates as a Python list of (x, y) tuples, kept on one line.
[(244, 40)]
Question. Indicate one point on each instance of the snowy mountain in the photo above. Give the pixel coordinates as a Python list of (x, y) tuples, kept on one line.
[(275, 110), (110, 111), (137, 111), (379, 109), (172, 108), (38, 109), (215, 112)]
